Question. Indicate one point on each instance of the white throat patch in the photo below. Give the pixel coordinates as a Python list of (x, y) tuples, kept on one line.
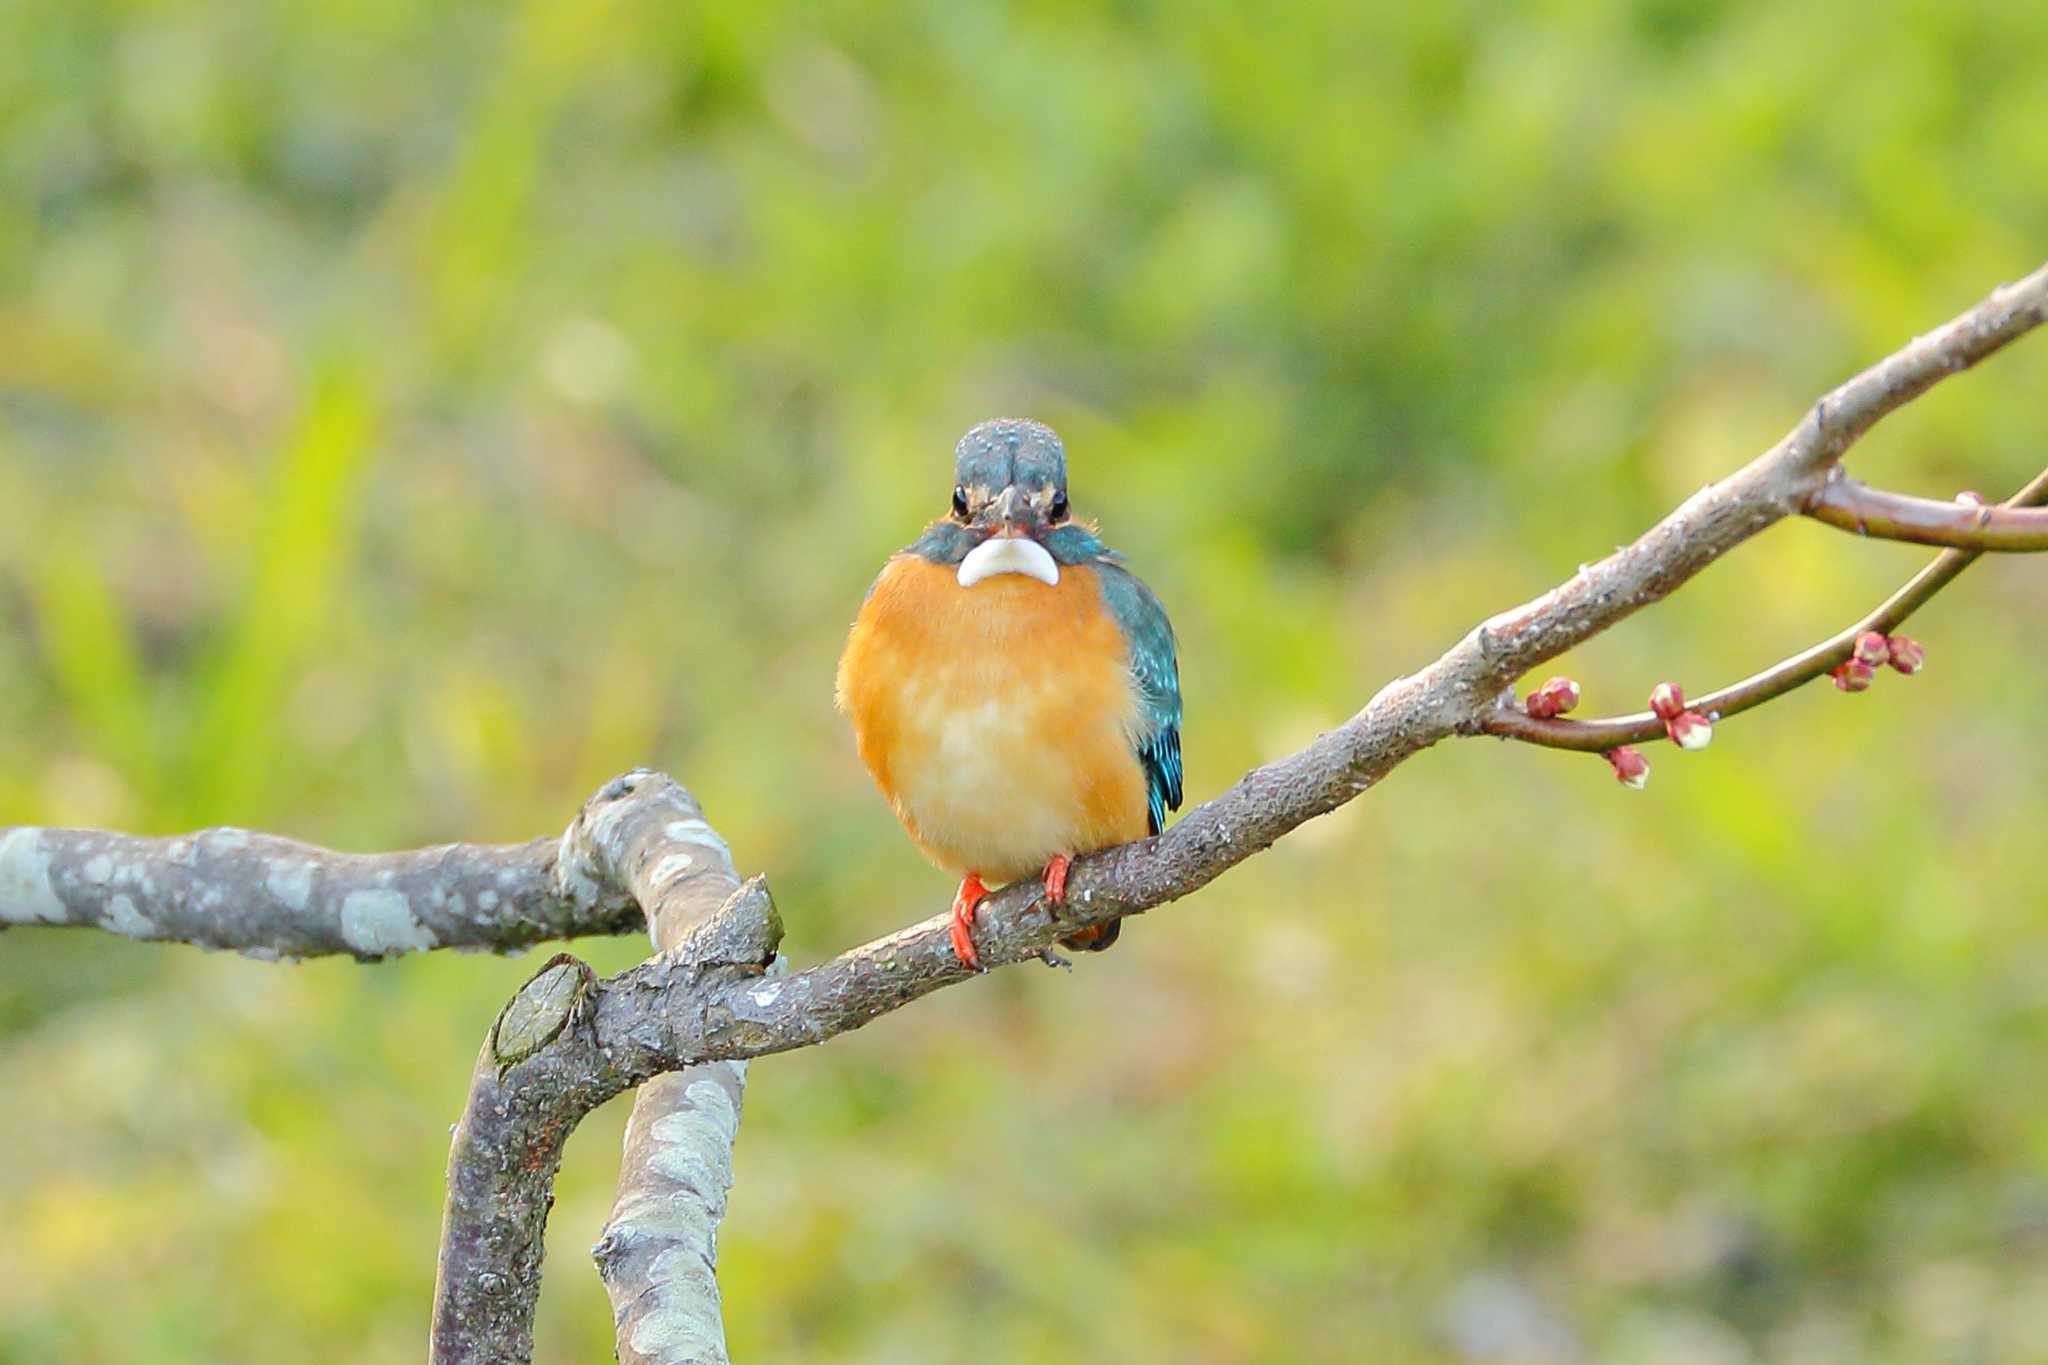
[(1008, 554)]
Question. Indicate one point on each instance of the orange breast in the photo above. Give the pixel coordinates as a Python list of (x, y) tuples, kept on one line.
[(997, 719)]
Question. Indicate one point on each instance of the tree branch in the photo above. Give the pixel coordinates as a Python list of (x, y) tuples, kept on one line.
[(658, 1254), (1598, 736), (547, 1063), (1851, 506), (269, 897)]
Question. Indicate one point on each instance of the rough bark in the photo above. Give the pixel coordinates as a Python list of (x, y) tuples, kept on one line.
[(276, 898), (502, 1164), (658, 1254)]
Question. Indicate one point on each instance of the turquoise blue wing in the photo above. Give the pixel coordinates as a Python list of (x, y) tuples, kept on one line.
[(1156, 672)]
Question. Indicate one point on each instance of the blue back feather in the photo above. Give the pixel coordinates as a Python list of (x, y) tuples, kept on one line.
[(1157, 674)]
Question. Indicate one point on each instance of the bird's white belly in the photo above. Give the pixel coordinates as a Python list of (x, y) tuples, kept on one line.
[(997, 792)]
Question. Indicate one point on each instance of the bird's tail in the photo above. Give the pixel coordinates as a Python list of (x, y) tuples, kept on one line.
[(1095, 938)]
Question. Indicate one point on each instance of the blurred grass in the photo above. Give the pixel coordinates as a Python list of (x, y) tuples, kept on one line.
[(412, 414)]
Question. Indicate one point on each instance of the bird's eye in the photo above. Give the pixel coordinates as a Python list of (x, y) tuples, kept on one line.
[(1059, 507), (960, 503)]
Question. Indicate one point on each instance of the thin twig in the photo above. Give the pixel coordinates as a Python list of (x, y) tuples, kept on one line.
[(1600, 735), (1851, 506)]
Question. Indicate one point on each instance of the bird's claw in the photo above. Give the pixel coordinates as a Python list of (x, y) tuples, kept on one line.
[(1056, 878), (965, 902)]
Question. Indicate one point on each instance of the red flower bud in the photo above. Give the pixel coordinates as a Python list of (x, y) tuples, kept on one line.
[(1554, 698), (1907, 655), (1853, 676), (1631, 769), (1690, 730), (1667, 699), (1873, 648)]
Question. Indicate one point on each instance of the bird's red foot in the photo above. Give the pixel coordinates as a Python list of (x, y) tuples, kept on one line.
[(966, 901), (1056, 878)]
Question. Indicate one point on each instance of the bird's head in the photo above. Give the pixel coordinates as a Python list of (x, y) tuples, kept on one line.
[(1009, 495)]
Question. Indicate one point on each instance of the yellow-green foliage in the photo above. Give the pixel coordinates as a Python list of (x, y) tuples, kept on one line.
[(413, 413)]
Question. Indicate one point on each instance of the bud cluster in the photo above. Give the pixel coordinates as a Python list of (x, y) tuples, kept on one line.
[(1873, 651), (1688, 729), (1554, 698)]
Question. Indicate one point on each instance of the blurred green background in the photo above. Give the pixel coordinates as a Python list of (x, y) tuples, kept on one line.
[(413, 413)]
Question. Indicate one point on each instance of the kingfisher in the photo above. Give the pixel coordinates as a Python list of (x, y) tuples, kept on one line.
[(1013, 687)]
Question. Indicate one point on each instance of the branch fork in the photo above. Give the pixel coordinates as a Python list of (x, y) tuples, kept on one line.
[(558, 1050), (1850, 657)]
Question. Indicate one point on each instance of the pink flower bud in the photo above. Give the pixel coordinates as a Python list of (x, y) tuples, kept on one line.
[(1554, 698), (1690, 730), (1667, 699), (1631, 769), (1907, 654), (1853, 676), (1873, 648)]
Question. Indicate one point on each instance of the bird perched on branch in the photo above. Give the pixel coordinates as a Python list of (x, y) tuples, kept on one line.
[(1012, 686)]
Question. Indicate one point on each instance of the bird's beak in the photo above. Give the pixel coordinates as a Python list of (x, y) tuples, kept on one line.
[(1012, 514), (1012, 547)]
